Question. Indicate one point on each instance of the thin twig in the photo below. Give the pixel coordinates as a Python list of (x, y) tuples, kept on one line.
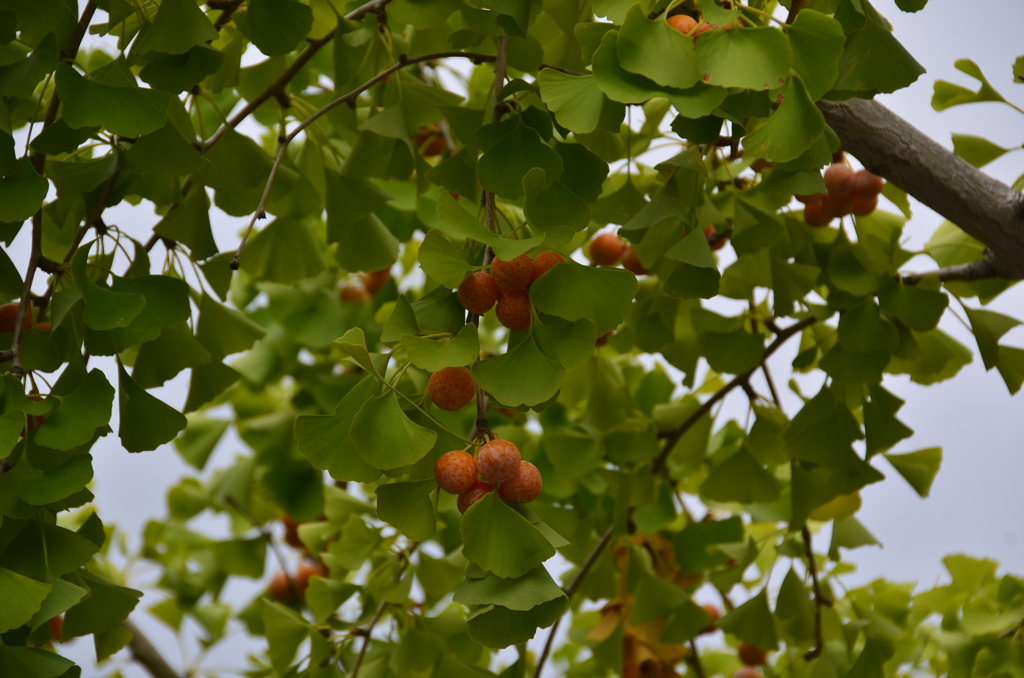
[(694, 660), (247, 514), (673, 436), (794, 10), (771, 386), (403, 61), (26, 293), (145, 654), (225, 15), (819, 599), (376, 616), (569, 591)]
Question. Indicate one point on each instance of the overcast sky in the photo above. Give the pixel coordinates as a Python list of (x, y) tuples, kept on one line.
[(975, 506)]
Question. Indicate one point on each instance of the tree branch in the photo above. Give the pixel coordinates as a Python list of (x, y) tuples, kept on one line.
[(674, 436), (376, 617), (569, 591), (143, 652), (694, 660), (403, 61), (819, 599), (974, 270), (892, 148), (247, 514), (26, 292)]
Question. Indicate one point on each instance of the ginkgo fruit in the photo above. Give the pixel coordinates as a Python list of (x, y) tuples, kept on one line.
[(354, 292), (683, 23), (451, 388), (513, 310), (372, 282), (9, 316), (512, 275), (280, 588), (291, 532), (498, 461), (606, 249), (839, 179), (430, 140), (715, 241), (631, 262), (544, 262), (524, 486), (473, 495), (862, 207), (455, 471), (751, 655), (715, 615), (308, 568), (867, 185), (56, 627), (817, 214), (478, 292), (603, 339)]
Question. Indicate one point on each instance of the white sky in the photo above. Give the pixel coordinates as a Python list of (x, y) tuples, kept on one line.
[(975, 505)]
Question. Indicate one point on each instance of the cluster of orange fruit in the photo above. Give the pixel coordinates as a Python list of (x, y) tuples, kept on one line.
[(849, 192), (285, 588), (498, 463), (687, 25), (9, 318), (506, 286)]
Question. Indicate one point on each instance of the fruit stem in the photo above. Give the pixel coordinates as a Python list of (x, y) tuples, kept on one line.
[(819, 599)]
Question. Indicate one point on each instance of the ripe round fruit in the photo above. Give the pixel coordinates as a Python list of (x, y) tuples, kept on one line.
[(839, 180), (867, 185), (9, 315), (354, 292), (544, 262), (498, 461), (451, 388), (606, 249), (859, 208), (291, 532), (455, 471), (513, 310), (56, 625), (376, 280), (682, 23), (747, 672), (280, 589), (810, 199), (477, 293), (843, 506), (473, 495), (703, 28), (631, 262), (307, 569), (512, 275), (715, 241), (524, 486), (715, 615), (751, 655), (816, 214), (430, 141)]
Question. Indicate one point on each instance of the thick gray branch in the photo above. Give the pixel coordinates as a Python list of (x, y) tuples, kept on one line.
[(894, 149), (143, 652)]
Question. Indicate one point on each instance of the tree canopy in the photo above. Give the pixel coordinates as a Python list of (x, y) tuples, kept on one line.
[(460, 271)]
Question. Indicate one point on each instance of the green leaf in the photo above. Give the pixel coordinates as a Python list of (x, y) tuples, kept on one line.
[(58, 483), (81, 412), (976, 150), (278, 25), (21, 193), (145, 422), (29, 662), (521, 376), (1011, 367), (742, 479), (791, 130), (422, 13), (189, 224), (62, 597), (167, 304), (655, 599), (285, 631), (177, 27), (457, 223), (325, 596), (917, 307), (794, 611), (500, 540), (506, 160), (882, 428), (988, 328), (684, 623), (441, 261), (849, 533), (862, 329), (126, 111), (575, 292), (523, 593), (947, 94), (325, 442), (284, 252), (408, 508), (163, 358), (752, 622), (200, 437), (569, 343), (19, 79), (104, 309), (224, 331), (576, 101), (497, 627), (176, 73), (873, 61), (849, 367), (817, 41), (693, 249), (402, 321), (106, 607), (385, 437), (242, 557), (208, 381), (20, 599), (656, 50), (555, 211), (353, 344), (751, 58), (572, 454), (431, 355), (936, 357), (732, 352), (918, 468)]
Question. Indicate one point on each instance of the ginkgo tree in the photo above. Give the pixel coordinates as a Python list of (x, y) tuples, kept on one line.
[(434, 198)]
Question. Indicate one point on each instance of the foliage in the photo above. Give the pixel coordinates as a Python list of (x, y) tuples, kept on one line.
[(322, 361)]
